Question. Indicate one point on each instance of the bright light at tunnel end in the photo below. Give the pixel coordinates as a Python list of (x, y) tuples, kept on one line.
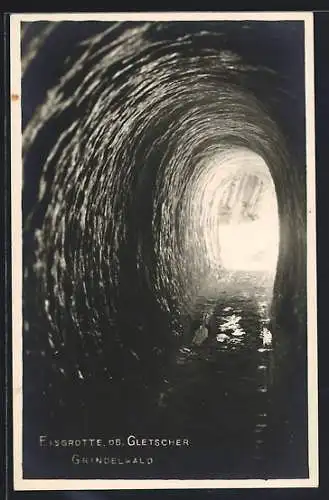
[(235, 207)]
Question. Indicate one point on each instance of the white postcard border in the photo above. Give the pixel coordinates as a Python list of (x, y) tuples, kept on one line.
[(16, 235)]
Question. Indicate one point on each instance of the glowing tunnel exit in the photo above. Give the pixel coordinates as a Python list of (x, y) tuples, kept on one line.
[(248, 222), (241, 224)]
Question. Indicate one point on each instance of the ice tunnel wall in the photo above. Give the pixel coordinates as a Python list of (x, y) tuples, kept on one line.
[(128, 144)]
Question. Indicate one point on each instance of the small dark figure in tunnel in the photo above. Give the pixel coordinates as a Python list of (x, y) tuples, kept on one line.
[(204, 330)]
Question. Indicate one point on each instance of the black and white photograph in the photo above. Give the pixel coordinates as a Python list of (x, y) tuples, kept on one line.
[(163, 251)]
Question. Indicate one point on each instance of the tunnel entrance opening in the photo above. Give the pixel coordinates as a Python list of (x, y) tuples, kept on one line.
[(235, 217), (248, 225)]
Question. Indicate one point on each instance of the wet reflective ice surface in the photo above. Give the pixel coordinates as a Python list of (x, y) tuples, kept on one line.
[(220, 387)]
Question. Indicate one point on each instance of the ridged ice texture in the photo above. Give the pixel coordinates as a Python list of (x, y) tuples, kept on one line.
[(140, 117)]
